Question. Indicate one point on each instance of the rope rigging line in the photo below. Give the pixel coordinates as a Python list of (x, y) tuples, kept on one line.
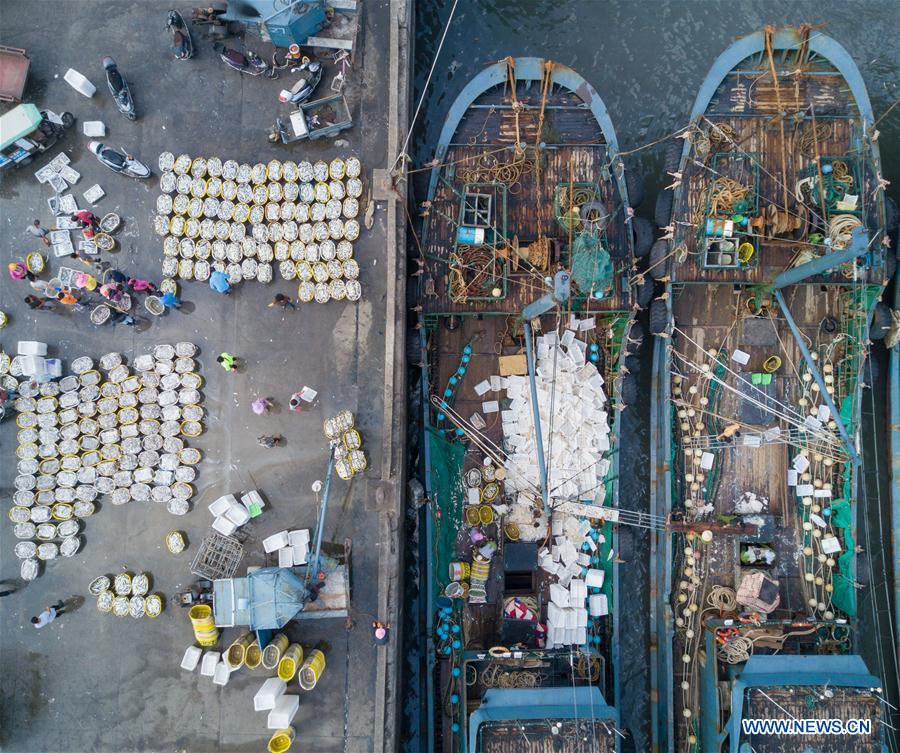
[(824, 437), (791, 416), (415, 116)]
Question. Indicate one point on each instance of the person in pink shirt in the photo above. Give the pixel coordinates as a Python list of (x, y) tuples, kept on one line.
[(139, 286), (18, 271)]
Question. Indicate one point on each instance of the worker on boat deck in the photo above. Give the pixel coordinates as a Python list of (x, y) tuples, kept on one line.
[(729, 431)]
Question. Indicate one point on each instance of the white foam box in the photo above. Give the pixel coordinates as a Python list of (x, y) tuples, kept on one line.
[(191, 658), (209, 663), (95, 129), (283, 712), (32, 365), (224, 526), (598, 605), (286, 556), (237, 513), (594, 578), (253, 498), (79, 83), (32, 348), (559, 595), (221, 505), (265, 697), (300, 544), (221, 674), (275, 542)]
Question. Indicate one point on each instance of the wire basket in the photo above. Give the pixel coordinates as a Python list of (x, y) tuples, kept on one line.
[(218, 557)]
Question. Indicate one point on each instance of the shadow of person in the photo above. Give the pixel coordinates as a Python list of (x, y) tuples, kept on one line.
[(187, 307), (73, 603)]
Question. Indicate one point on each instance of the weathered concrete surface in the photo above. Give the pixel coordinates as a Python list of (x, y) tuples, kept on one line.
[(91, 682)]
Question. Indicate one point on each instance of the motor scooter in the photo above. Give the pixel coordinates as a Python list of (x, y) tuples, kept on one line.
[(182, 44), (119, 162), (306, 84), (118, 87), (250, 64)]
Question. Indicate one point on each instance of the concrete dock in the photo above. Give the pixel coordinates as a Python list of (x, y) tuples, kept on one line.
[(90, 681)]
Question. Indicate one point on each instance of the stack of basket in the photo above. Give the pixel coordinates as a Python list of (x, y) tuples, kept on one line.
[(87, 435), (346, 441), (243, 219)]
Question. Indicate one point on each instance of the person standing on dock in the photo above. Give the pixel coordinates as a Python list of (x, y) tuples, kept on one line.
[(170, 300), (282, 301), (218, 281), (228, 361), (48, 615), (37, 231)]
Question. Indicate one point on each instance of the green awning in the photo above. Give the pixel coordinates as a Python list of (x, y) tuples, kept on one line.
[(18, 122)]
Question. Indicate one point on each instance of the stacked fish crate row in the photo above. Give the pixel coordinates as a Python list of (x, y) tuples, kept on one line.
[(107, 432), (243, 220), (575, 429)]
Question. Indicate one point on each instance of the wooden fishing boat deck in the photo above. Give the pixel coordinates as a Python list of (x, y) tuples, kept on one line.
[(482, 156), (720, 320), (745, 104), (762, 144)]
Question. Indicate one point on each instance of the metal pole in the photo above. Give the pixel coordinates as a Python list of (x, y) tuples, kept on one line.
[(858, 247), (823, 389), (529, 354), (313, 569)]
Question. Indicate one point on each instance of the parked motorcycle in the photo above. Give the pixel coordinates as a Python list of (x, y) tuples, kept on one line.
[(182, 44), (119, 161), (250, 64), (118, 87), (306, 85)]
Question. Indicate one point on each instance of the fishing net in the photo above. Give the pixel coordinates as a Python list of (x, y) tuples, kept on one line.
[(592, 268), (449, 495), (844, 594)]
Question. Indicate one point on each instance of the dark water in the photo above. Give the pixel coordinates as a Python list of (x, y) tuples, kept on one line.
[(647, 59)]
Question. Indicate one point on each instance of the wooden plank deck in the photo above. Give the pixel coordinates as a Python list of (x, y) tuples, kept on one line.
[(529, 216), (760, 138)]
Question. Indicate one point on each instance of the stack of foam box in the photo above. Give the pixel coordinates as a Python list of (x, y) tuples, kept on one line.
[(574, 388), (570, 607), (228, 514), (292, 547), (271, 697), (33, 361)]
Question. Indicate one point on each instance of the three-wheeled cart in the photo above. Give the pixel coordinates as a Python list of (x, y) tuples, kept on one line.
[(26, 132), (323, 117)]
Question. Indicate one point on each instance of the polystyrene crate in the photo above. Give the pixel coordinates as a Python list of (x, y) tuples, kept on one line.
[(221, 505), (253, 498), (79, 83), (265, 697), (208, 665), (191, 658), (275, 542), (221, 674), (32, 348), (283, 712), (95, 129), (286, 556), (224, 526), (237, 514)]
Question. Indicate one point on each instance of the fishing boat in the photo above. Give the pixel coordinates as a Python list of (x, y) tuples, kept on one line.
[(773, 263), (525, 302)]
